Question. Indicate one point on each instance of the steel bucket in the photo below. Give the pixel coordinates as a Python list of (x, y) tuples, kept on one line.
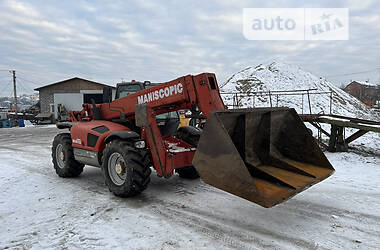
[(264, 155)]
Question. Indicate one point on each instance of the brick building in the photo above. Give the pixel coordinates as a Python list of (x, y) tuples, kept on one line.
[(70, 93), (368, 93)]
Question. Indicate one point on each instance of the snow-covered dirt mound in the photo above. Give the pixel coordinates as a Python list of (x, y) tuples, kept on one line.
[(281, 76)]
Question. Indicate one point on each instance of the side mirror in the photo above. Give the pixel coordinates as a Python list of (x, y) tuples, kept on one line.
[(107, 94)]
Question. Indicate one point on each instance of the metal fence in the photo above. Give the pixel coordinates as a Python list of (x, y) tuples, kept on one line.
[(273, 97)]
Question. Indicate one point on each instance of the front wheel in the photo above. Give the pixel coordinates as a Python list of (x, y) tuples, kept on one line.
[(188, 172), (126, 171), (64, 162)]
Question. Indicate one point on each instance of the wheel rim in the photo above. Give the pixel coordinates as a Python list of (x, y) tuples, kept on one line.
[(117, 169), (60, 156)]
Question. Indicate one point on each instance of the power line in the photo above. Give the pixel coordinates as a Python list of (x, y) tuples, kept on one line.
[(30, 74), (26, 88), (24, 73), (355, 73), (21, 87), (27, 80), (6, 86)]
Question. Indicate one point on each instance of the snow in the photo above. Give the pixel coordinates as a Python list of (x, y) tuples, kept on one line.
[(334, 118), (367, 83), (28, 123), (369, 125), (39, 210), (281, 76)]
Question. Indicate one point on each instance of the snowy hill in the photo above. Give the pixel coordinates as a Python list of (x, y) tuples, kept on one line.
[(281, 76)]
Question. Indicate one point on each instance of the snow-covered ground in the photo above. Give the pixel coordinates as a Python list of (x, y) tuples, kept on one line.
[(39, 210)]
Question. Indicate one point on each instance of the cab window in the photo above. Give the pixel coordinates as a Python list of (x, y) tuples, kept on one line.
[(170, 115), (125, 90)]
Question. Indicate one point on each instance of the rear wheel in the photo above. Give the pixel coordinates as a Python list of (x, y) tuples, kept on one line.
[(64, 162), (126, 171), (191, 136)]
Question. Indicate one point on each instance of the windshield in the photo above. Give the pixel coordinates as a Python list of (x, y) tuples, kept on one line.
[(170, 115), (124, 90)]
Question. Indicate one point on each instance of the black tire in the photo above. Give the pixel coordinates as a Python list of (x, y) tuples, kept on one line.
[(191, 136), (64, 162), (134, 171), (188, 172)]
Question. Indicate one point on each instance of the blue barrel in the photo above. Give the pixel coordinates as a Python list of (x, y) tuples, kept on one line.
[(21, 123)]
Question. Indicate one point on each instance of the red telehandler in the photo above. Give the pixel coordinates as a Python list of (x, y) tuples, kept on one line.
[(265, 155)]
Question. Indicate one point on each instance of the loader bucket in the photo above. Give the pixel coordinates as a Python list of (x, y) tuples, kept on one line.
[(264, 155)]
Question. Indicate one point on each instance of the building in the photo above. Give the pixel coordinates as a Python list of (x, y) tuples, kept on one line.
[(367, 92), (70, 94)]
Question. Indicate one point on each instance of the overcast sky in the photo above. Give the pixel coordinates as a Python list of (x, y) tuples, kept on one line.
[(107, 41)]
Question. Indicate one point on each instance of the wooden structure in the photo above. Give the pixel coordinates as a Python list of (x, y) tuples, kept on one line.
[(337, 139)]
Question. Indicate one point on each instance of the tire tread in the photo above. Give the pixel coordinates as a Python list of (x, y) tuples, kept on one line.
[(139, 176), (72, 167)]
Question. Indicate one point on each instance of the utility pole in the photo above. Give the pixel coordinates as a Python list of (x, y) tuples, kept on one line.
[(14, 89)]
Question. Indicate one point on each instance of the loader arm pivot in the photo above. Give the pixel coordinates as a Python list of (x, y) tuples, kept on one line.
[(262, 155)]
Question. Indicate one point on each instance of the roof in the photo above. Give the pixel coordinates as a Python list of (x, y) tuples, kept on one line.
[(71, 79), (366, 83)]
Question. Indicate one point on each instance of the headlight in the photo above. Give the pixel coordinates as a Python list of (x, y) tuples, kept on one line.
[(140, 144)]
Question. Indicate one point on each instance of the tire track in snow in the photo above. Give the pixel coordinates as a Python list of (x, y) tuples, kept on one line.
[(226, 231), (189, 218), (324, 212), (235, 234)]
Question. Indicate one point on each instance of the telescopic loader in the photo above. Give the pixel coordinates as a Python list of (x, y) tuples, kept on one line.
[(265, 155)]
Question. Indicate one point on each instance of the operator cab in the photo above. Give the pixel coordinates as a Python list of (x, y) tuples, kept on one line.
[(167, 122), (126, 88)]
